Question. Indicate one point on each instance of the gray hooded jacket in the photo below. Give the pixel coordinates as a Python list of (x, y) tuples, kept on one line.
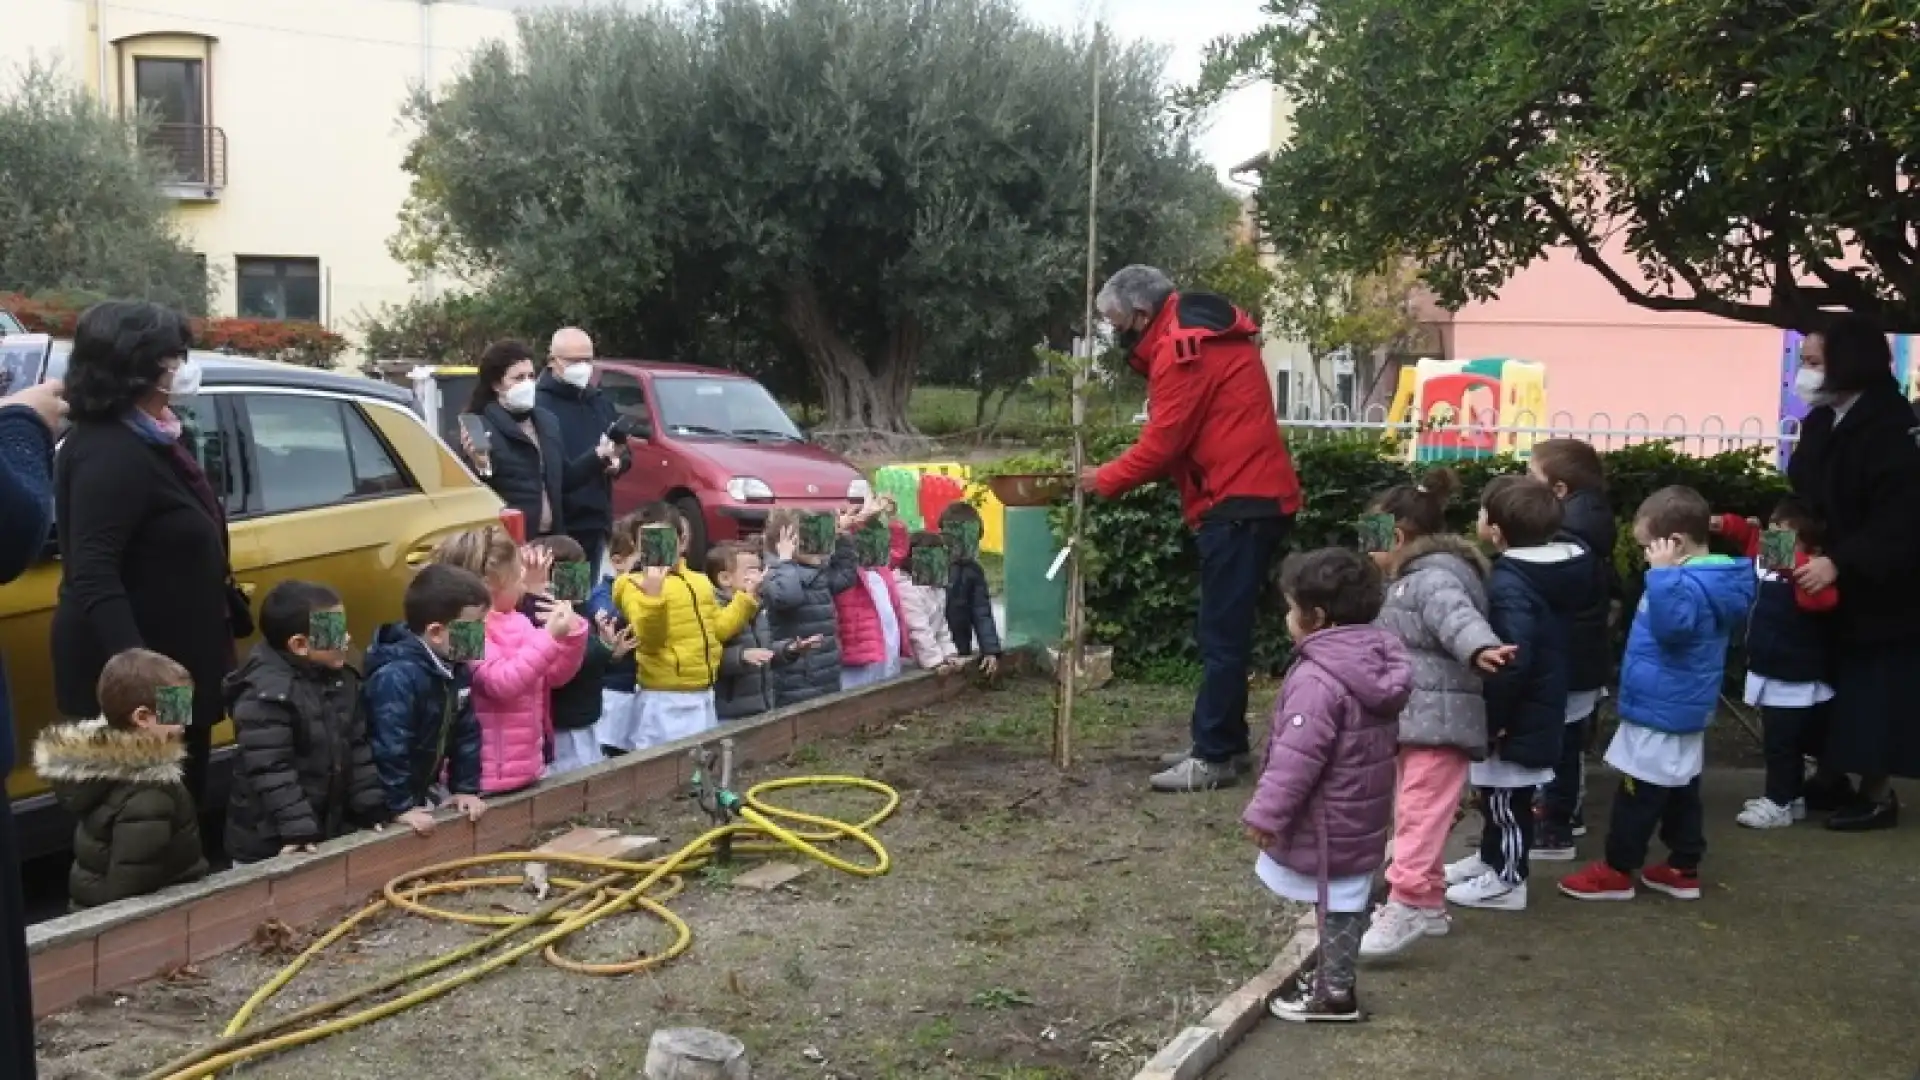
[(1437, 607)]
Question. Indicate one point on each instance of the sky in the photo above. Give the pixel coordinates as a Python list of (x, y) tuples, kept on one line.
[(1239, 126)]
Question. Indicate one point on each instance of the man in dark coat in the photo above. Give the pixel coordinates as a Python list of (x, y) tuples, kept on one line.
[(27, 420), (1212, 431), (585, 414)]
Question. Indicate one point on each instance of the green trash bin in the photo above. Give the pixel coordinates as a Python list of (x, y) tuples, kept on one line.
[(1036, 607)]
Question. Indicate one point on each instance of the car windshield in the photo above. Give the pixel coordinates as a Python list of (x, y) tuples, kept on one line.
[(9, 324), (721, 408)]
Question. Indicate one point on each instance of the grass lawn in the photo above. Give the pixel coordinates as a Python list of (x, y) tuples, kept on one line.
[(1036, 925)]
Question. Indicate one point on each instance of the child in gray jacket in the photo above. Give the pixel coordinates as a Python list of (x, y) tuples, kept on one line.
[(1436, 604)]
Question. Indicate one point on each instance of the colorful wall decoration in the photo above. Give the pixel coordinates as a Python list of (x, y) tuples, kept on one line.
[(1469, 408), (922, 489), (1792, 408)]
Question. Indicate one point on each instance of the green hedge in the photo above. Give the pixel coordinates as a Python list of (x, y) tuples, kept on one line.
[(1142, 570)]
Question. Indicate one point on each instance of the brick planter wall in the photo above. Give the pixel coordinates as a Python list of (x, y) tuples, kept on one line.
[(116, 945)]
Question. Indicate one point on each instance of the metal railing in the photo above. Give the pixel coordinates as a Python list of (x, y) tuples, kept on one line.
[(1444, 432), (190, 155)]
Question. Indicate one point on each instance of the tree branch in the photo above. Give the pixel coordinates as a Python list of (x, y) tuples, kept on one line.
[(1809, 301)]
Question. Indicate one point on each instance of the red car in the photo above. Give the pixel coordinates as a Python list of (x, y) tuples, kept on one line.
[(718, 446)]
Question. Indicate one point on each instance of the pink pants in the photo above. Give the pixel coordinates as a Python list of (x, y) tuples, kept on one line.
[(1430, 781)]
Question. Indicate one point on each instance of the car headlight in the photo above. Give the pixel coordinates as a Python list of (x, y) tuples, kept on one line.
[(859, 490), (749, 489)]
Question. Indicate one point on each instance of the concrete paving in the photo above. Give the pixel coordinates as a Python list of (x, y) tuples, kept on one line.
[(1800, 962)]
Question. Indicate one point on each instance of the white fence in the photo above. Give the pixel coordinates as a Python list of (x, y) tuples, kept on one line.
[(1446, 433)]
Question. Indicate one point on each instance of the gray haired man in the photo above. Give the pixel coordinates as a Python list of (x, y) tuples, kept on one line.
[(1211, 429)]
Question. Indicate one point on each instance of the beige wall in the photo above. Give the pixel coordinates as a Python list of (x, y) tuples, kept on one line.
[(308, 94)]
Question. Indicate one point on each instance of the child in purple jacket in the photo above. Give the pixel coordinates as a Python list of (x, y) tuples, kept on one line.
[(1324, 805)]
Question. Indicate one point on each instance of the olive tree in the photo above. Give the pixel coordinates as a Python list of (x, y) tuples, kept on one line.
[(81, 208), (841, 186)]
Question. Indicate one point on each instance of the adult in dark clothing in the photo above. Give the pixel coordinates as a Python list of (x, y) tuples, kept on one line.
[(143, 532), (1857, 465), (585, 414), (1212, 430), (526, 462), (27, 421)]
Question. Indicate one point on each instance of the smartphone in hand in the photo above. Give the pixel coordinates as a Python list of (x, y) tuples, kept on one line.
[(478, 440)]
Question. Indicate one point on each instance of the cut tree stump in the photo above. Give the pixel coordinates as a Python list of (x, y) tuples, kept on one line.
[(695, 1054)]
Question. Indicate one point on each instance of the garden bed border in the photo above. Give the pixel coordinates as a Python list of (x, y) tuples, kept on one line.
[(116, 945)]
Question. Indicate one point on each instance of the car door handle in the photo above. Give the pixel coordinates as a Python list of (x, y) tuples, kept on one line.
[(248, 588), (420, 556)]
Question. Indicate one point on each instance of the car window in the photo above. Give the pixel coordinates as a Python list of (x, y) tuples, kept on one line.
[(315, 451), (714, 406), (628, 396), (200, 422)]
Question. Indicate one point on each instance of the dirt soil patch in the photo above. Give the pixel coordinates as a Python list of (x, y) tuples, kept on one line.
[(1036, 924)]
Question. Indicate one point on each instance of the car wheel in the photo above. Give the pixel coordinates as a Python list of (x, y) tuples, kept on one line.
[(689, 508)]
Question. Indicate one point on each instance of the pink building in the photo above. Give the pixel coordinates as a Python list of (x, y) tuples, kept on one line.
[(1605, 356)]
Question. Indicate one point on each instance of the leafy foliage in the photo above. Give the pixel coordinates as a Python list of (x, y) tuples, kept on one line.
[(1142, 570), (80, 206), (453, 328), (1751, 157), (832, 194), (303, 343)]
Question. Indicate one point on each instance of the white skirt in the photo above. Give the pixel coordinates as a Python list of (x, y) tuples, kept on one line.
[(575, 749), (666, 715), (619, 713)]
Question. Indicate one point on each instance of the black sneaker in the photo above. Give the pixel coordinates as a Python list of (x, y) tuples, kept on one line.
[(1866, 816), (1827, 794), (1553, 842), (1310, 1007)]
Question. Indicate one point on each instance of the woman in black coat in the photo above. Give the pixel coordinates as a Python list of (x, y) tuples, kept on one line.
[(525, 463), (27, 422), (1858, 465), (143, 533)]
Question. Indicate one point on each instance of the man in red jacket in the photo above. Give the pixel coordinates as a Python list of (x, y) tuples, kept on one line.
[(1211, 429)]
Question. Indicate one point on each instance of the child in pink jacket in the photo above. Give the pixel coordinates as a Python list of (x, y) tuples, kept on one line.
[(873, 625), (514, 681)]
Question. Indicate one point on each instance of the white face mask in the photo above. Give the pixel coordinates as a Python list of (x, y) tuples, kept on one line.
[(518, 398), (1810, 384), (576, 375), (185, 384)]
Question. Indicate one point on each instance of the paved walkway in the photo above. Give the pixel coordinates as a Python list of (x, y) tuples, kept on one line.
[(1800, 962)]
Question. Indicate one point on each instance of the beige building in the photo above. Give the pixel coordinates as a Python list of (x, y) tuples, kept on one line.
[(1289, 364), (281, 121)]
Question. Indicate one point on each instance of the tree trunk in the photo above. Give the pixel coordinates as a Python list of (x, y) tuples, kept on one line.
[(856, 398)]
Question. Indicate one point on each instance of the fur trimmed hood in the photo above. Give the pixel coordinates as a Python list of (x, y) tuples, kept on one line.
[(1442, 544), (89, 751)]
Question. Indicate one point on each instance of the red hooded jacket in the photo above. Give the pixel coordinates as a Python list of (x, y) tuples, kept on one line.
[(1210, 427)]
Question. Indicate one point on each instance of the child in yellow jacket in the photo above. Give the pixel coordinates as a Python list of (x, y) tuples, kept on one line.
[(680, 629)]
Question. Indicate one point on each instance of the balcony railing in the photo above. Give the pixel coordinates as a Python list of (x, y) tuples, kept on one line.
[(191, 156)]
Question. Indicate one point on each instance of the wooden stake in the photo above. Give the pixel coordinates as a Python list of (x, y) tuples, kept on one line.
[(1074, 653)]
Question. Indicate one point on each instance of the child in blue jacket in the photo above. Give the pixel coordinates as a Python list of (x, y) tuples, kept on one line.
[(1669, 689), (620, 679), (426, 740)]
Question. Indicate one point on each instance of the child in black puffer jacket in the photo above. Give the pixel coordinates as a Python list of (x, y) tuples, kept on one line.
[(1572, 469)]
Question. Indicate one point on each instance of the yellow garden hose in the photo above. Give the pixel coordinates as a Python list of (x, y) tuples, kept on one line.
[(620, 886)]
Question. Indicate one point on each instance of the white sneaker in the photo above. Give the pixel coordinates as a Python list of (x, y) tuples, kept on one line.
[(1488, 891), (1467, 869), (1397, 926), (1798, 808), (1765, 814)]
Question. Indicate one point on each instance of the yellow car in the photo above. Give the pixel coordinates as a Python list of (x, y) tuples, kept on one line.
[(326, 477)]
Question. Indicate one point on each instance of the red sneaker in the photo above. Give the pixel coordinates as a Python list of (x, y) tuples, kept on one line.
[(1598, 881), (1679, 884)]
